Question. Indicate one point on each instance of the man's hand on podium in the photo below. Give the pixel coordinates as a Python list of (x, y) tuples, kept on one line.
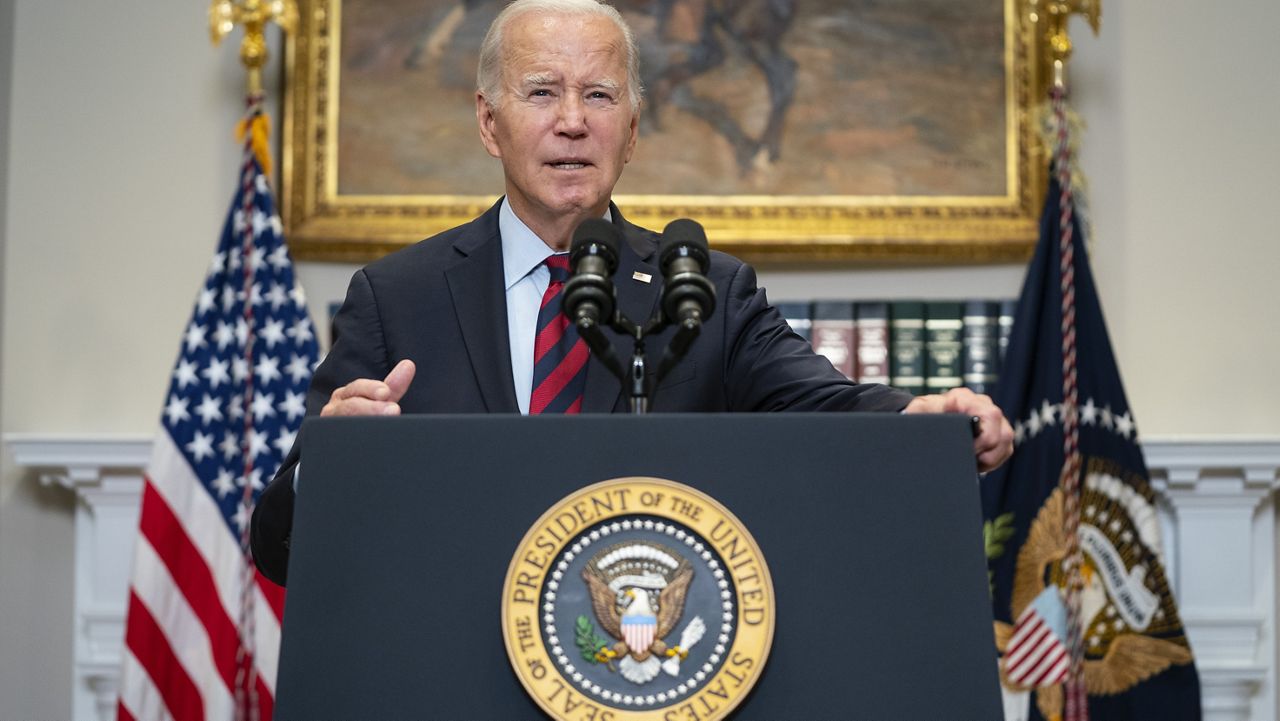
[(368, 397), (993, 442)]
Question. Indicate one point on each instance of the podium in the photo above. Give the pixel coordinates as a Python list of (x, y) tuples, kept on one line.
[(870, 525)]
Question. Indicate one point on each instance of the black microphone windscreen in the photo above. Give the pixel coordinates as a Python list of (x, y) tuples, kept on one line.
[(600, 232), (687, 233)]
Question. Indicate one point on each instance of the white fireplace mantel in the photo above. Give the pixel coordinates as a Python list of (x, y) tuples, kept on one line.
[(105, 472), (1219, 502), (1216, 502)]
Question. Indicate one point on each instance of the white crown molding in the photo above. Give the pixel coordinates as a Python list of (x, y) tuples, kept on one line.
[(76, 461), (1185, 459)]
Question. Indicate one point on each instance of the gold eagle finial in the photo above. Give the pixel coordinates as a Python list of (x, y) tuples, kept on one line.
[(253, 16), (1052, 43)]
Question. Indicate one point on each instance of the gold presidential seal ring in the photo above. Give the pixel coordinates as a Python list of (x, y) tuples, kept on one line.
[(638, 599)]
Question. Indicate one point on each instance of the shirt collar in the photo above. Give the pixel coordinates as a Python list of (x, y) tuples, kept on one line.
[(522, 249)]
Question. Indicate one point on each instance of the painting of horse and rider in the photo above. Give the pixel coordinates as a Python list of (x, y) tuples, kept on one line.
[(742, 97)]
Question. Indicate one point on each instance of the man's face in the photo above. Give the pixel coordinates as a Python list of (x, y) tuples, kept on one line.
[(564, 128)]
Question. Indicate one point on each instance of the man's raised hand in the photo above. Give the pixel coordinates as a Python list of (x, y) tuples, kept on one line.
[(368, 397)]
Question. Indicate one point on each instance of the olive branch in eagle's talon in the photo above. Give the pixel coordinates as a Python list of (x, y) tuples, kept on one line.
[(594, 648)]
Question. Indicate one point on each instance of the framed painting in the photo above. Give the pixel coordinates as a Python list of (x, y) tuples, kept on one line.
[(794, 131)]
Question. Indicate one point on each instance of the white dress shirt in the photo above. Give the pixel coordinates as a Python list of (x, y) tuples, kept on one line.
[(526, 280)]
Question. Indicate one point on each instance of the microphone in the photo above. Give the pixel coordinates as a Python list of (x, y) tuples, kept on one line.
[(688, 298), (593, 257), (588, 297)]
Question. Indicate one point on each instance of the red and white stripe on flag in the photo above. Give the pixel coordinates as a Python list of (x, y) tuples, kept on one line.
[(1036, 655), (184, 656)]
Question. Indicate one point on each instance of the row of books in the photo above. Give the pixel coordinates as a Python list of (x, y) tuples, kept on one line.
[(916, 345)]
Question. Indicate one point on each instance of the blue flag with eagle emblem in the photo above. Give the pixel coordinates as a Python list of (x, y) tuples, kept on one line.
[(1136, 661)]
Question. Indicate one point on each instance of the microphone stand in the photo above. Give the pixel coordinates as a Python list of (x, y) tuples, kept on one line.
[(685, 306), (639, 395), (634, 377)]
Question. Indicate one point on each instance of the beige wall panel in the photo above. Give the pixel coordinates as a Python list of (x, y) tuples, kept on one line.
[(1184, 161)]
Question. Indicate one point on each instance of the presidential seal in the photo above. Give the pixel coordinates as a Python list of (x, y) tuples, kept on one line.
[(638, 599)]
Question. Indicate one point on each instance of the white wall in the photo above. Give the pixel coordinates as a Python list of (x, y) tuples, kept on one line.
[(120, 164), (6, 77), (1183, 154), (9, 530)]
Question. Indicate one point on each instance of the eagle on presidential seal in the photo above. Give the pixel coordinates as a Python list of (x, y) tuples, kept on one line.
[(638, 591)]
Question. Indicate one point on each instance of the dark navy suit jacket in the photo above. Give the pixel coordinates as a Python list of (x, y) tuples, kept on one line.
[(442, 303)]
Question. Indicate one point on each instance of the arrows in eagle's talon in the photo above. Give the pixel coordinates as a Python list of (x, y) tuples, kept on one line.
[(606, 655)]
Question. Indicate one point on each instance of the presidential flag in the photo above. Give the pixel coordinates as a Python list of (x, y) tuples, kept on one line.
[(202, 634), (1086, 624)]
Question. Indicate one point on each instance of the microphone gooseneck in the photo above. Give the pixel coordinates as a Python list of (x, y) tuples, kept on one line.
[(590, 300)]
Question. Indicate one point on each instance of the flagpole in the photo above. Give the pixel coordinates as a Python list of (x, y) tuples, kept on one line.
[(1076, 698), (1053, 46), (254, 16)]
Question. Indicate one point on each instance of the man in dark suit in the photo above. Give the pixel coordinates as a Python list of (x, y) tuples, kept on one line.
[(449, 325)]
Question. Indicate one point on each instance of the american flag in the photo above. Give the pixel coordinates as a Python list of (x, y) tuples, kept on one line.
[(202, 635)]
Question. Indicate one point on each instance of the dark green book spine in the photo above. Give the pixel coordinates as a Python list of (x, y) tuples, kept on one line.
[(943, 328), (906, 345), (981, 345)]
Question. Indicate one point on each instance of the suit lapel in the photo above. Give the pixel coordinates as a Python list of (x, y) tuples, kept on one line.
[(636, 300), (480, 302)]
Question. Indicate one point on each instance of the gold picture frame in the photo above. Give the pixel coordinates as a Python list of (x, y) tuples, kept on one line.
[(326, 221)]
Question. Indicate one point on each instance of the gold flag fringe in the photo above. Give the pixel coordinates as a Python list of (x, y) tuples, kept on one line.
[(1076, 126), (258, 127)]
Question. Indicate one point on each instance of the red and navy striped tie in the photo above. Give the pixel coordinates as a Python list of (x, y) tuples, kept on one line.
[(559, 355)]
